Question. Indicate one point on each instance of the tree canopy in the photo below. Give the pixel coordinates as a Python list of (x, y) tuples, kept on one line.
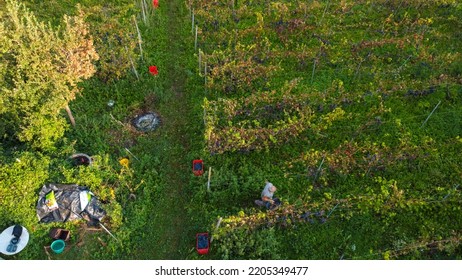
[(40, 69)]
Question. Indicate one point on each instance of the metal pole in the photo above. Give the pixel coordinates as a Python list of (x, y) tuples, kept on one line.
[(200, 62), (208, 183), (192, 21), (131, 154), (195, 40), (216, 228), (430, 114), (108, 232)]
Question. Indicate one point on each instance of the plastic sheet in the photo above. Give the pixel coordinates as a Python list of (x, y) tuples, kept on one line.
[(70, 206)]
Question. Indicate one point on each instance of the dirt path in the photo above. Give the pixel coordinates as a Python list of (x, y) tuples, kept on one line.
[(176, 125), (169, 225)]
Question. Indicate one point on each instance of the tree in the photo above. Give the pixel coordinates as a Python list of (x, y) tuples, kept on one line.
[(40, 69)]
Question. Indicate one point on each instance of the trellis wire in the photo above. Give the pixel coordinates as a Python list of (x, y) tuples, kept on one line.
[(291, 212)]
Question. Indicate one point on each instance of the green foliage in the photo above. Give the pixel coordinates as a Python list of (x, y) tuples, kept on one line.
[(325, 99), (115, 40), (41, 68), (20, 178), (241, 244), (369, 74)]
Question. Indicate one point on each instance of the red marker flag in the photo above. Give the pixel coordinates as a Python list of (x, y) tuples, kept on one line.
[(155, 3), (153, 70)]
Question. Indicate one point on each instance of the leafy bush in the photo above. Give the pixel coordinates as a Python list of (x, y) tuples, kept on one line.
[(242, 244), (115, 41), (20, 178), (41, 68)]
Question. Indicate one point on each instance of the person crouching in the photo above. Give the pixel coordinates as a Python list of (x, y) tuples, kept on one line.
[(267, 197)]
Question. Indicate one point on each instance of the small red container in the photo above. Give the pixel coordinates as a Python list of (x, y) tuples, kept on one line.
[(202, 243), (198, 167), (153, 70)]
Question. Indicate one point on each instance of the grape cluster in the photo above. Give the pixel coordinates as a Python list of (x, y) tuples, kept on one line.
[(202, 242), (198, 166), (420, 93)]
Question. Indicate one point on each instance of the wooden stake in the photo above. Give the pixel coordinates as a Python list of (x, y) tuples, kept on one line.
[(216, 227), (139, 37), (312, 73), (133, 65), (108, 232), (205, 114), (319, 169), (46, 251), (195, 40), (208, 183), (205, 73), (192, 21), (69, 113), (131, 154), (116, 120), (143, 12), (104, 244), (332, 210)]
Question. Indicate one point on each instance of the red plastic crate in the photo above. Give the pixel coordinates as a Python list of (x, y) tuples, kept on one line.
[(202, 243), (198, 167)]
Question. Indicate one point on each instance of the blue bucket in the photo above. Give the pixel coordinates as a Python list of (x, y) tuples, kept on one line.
[(58, 246)]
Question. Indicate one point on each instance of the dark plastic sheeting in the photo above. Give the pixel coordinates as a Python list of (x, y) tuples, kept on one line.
[(68, 199)]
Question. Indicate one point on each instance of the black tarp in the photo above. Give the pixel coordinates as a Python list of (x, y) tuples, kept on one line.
[(68, 199)]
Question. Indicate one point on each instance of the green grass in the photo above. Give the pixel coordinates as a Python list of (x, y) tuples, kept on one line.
[(388, 182)]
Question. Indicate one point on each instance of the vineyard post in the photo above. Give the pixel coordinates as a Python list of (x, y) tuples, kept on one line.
[(210, 175), (200, 61), (195, 40), (192, 21), (103, 227), (332, 210), (131, 154), (69, 113), (205, 114), (205, 73), (199, 58), (133, 65), (143, 11), (216, 227), (319, 169), (139, 38), (430, 114)]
